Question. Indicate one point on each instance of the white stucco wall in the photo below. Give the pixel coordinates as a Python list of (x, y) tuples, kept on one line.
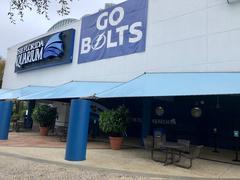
[(182, 36)]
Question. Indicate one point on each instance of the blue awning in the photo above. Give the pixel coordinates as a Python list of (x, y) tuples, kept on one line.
[(16, 93), (176, 84), (3, 91), (74, 89)]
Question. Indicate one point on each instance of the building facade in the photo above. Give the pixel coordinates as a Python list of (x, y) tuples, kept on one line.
[(181, 36), (181, 41)]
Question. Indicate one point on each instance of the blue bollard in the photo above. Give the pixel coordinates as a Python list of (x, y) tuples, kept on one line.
[(78, 130), (5, 117)]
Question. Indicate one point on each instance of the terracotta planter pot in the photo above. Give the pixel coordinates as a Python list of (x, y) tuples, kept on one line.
[(43, 131), (116, 142)]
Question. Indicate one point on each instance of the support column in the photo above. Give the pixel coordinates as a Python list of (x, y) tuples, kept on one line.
[(5, 117), (78, 130), (146, 116), (28, 122)]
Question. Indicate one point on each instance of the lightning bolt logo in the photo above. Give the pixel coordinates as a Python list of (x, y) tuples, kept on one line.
[(99, 41)]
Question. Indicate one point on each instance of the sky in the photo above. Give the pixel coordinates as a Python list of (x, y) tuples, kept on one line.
[(35, 24)]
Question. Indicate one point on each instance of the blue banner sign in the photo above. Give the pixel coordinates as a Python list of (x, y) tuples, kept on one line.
[(116, 31), (48, 51)]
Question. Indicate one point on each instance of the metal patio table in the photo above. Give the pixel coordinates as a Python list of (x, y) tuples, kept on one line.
[(171, 148)]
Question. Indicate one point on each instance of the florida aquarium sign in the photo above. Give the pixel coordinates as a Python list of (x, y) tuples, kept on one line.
[(116, 31), (54, 49)]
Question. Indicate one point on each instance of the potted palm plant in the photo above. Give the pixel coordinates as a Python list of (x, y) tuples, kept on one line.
[(45, 115), (114, 123)]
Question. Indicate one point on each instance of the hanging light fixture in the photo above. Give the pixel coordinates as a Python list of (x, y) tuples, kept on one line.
[(159, 111), (196, 112)]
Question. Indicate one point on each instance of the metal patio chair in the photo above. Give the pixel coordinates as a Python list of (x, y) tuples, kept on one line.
[(188, 157), (158, 153), (185, 143), (19, 125), (148, 142)]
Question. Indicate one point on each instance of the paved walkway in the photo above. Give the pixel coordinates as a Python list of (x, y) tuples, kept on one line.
[(33, 139), (136, 161), (29, 139), (16, 167), (128, 160)]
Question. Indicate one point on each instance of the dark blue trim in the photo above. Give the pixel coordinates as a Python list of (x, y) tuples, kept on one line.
[(146, 116)]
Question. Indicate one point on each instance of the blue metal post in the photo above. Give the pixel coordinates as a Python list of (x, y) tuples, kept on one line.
[(78, 130), (5, 117), (146, 117)]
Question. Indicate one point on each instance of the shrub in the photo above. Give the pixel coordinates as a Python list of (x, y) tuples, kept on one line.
[(44, 115), (114, 122)]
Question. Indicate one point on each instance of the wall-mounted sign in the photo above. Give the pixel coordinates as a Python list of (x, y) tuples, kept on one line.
[(47, 51), (116, 31), (165, 121)]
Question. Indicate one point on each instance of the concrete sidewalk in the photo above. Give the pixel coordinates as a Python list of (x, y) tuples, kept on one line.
[(49, 149), (33, 139), (127, 160), (20, 168)]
